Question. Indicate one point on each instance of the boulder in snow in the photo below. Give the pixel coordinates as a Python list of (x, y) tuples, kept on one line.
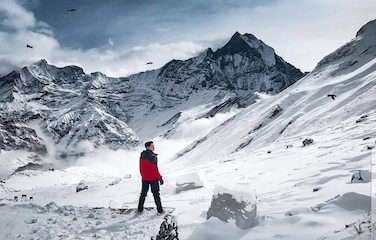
[(307, 141), (81, 186), (370, 147), (188, 182), (240, 207), (360, 176), (316, 189)]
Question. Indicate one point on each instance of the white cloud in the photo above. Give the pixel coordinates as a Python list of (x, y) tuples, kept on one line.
[(122, 62), (111, 60), (15, 16), (302, 32)]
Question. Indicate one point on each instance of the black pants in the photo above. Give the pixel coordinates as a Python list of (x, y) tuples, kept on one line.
[(154, 185)]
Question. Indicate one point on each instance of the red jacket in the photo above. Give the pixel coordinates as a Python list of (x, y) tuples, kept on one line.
[(149, 166)]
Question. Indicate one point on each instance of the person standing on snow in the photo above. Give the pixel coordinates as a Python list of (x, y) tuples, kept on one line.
[(150, 177)]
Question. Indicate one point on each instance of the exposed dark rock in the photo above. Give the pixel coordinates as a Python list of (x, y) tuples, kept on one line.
[(18, 136), (362, 119), (287, 125), (243, 144), (223, 107), (29, 166), (190, 147), (81, 186), (172, 120), (316, 189), (276, 112), (307, 141), (226, 207)]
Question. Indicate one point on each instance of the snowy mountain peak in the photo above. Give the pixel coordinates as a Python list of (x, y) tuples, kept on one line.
[(236, 44), (250, 45), (43, 62)]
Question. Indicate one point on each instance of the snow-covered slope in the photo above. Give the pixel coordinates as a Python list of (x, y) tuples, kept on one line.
[(300, 187)]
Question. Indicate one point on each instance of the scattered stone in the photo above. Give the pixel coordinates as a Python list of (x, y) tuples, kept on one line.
[(91, 215), (269, 151), (276, 112), (362, 119), (227, 205), (307, 141), (366, 138), (31, 221), (370, 147), (81, 186), (316, 189), (332, 96), (289, 146)]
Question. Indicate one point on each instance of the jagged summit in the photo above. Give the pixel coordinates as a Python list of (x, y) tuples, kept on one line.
[(248, 44), (236, 44)]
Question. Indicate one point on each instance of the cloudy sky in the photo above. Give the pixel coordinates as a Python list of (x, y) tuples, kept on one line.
[(118, 37)]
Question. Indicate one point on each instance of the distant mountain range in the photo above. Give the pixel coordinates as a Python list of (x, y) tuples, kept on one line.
[(68, 107)]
